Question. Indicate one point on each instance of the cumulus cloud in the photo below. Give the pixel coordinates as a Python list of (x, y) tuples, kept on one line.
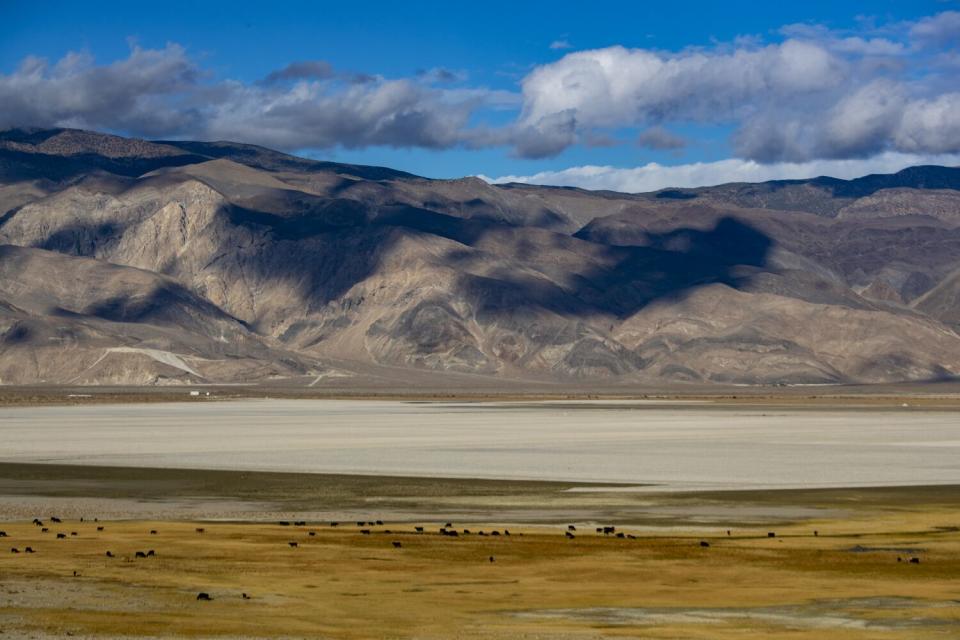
[(140, 93), (306, 104), (939, 30), (654, 176), (813, 94), (658, 138), (304, 69), (820, 93)]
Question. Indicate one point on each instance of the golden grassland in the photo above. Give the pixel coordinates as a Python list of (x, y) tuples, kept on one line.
[(845, 582)]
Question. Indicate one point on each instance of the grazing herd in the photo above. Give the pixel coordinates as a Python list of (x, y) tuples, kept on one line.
[(446, 530)]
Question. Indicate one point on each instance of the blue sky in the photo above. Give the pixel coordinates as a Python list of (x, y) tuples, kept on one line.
[(504, 89)]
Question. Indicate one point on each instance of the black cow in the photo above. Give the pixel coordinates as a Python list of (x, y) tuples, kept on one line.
[(29, 550), (914, 560), (312, 533), (704, 544), (204, 596), (44, 530), (54, 519), (380, 522), (293, 544), (244, 596), (99, 528), (200, 529), (570, 527), (73, 533), (334, 524), (771, 534), (151, 553), (153, 532), (418, 529), (569, 535), (14, 550), (109, 554), (3, 534), (140, 554), (61, 536), (38, 522), (396, 545)]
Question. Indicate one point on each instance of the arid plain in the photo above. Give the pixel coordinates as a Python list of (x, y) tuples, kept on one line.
[(780, 541)]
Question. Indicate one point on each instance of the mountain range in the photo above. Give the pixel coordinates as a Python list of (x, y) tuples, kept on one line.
[(133, 262)]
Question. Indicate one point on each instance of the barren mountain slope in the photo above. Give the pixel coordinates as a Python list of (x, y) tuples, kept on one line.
[(295, 263)]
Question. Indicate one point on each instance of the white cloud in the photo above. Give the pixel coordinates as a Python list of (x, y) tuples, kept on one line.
[(307, 104), (654, 176), (561, 44), (818, 94)]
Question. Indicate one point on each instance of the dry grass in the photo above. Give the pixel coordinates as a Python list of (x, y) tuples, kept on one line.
[(340, 583)]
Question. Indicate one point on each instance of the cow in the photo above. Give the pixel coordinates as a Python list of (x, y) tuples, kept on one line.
[(244, 596), (494, 533), (29, 550), (365, 532), (771, 534), (74, 533), (448, 525), (491, 558), (570, 527), (151, 553), (109, 554), (3, 534), (334, 524), (44, 530), (704, 544), (99, 528), (418, 529), (61, 536), (380, 523), (300, 523), (396, 545), (312, 533), (153, 532), (914, 560), (608, 530), (38, 522), (506, 532), (293, 544), (284, 523), (204, 596), (140, 554), (199, 529), (14, 550), (569, 535), (55, 519), (621, 534)]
